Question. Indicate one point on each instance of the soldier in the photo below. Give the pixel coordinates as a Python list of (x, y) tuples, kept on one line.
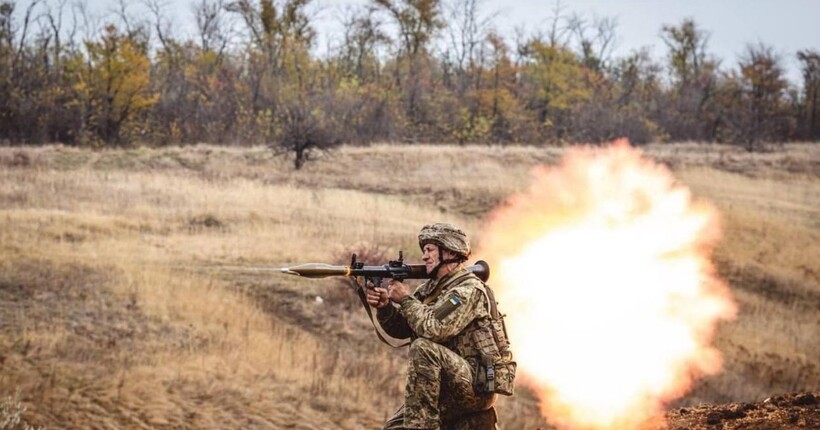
[(459, 353)]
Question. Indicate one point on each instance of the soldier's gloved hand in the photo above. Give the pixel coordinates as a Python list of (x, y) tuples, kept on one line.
[(397, 290), (377, 297)]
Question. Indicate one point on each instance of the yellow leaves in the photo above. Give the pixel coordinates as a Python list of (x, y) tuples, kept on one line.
[(268, 16), (472, 127), (350, 83), (560, 80), (116, 82), (208, 59)]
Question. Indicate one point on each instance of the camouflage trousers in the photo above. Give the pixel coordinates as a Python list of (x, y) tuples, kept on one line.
[(439, 393)]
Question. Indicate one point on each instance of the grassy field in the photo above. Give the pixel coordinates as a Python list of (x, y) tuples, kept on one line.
[(123, 305)]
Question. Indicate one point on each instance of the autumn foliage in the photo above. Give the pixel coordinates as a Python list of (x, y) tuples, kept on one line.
[(401, 70)]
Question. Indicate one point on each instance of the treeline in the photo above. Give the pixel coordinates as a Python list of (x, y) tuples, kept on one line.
[(401, 70)]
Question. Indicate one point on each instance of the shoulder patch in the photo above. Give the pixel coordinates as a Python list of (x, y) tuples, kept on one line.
[(447, 308)]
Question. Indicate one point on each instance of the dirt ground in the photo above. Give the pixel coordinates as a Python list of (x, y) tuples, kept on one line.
[(790, 411)]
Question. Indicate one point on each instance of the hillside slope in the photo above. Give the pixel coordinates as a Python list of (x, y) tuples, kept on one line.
[(124, 302)]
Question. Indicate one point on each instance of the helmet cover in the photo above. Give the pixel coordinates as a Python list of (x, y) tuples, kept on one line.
[(445, 236)]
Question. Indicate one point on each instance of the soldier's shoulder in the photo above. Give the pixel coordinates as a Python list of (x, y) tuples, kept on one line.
[(469, 285), (470, 280)]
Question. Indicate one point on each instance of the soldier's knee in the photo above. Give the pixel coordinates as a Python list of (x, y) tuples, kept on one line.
[(421, 344), (423, 349)]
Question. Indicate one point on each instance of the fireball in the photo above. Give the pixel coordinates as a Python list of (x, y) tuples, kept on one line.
[(603, 267)]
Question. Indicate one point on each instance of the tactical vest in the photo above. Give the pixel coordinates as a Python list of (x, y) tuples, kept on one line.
[(483, 343)]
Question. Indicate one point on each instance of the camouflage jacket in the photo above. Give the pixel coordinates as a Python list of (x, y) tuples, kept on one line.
[(438, 310)]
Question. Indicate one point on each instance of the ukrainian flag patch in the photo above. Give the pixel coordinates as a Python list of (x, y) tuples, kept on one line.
[(447, 308)]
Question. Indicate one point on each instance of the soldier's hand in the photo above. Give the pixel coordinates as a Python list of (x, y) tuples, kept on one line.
[(377, 297), (397, 290)]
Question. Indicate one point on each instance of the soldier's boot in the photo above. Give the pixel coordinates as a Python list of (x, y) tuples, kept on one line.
[(481, 420)]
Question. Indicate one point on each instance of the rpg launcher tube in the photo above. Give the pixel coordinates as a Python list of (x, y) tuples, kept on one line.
[(406, 271)]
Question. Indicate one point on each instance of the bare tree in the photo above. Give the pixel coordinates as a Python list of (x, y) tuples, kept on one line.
[(210, 23), (136, 29), (687, 46), (558, 31), (55, 23), (162, 26), (810, 69), (362, 37), (765, 86), (418, 21), (690, 114), (595, 40), (467, 33), (307, 127), (754, 105), (23, 33), (91, 22)]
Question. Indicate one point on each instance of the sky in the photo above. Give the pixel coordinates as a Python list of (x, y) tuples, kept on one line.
[(786, 25)]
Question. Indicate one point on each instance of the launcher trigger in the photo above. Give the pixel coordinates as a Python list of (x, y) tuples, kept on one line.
[(376, 282)]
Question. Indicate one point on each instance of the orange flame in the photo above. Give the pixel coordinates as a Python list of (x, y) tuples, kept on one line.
[(603, 267)]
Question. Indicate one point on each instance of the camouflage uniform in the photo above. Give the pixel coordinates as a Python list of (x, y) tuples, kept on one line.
[(440, 382)]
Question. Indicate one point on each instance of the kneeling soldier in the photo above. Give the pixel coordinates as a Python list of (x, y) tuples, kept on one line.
[(460, 356)]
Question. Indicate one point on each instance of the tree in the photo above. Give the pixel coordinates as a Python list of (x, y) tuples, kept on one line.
[(362, 37), (810, 106), (504, 110), (464, 67), (209, 15), (248, 74), (764, 86), (418, 21), (278, 55), (595, 40), (622, 102), (753, 100), (554, 80), (689, 113), (197, 80), (14, 81), (687, 49), (115, 88), (308, 126), (294, 108), (467, 36)]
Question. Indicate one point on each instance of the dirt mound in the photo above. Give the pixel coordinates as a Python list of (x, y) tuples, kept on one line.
[(790, 411)]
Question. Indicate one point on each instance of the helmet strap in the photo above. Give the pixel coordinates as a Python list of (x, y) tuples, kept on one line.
[(442, 261)]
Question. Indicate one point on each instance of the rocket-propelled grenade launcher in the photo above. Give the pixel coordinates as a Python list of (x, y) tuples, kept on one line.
[(394, 269), (374, 275)]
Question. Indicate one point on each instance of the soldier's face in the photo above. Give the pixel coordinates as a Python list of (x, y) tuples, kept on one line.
[(430, 257)]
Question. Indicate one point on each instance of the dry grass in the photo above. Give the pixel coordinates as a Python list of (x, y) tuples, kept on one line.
[(101, 273), (119, 306), (771, 258)]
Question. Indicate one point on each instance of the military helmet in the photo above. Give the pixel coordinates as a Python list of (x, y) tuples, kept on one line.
[(445, 236)]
